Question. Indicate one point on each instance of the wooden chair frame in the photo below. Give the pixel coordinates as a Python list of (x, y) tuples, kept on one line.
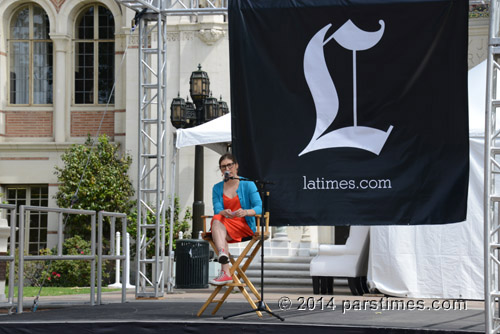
[(237, 270)]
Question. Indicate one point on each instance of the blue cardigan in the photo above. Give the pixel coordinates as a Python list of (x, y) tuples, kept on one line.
[(249, 199)]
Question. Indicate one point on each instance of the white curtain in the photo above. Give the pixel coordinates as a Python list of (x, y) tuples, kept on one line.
[(19, 72)]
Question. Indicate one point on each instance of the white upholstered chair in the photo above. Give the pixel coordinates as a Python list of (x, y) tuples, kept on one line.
[(343, 261)]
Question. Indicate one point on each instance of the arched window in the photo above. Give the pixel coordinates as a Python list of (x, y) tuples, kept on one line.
[(95, 56), (30, 57)]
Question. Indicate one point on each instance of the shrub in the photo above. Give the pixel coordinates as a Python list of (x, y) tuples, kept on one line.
[(93, 178), (67, 273), (74, 272)]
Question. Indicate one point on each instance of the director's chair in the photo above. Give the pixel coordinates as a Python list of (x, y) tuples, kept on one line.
[(238, 267)]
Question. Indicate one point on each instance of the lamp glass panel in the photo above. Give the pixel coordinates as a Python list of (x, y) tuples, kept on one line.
[(210, 109), (177, 112), (211, 112), (197, 86)]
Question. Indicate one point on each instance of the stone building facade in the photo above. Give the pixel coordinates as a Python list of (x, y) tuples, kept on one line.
[(59, 62)]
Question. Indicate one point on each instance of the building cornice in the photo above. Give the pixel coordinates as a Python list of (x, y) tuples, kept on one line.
[(34, 147)]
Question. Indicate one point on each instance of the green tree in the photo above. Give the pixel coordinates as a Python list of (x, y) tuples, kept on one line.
[(94, 177)]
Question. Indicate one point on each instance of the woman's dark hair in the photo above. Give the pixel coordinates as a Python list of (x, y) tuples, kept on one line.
[(228, 156)]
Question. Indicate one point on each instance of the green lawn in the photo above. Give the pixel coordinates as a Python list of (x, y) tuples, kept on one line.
[(30, 291)]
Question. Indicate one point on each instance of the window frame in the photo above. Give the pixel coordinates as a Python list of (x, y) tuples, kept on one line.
[(31, 42), (28, 201), (95, 41)]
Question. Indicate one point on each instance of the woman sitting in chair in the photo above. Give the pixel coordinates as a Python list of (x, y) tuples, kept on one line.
[(235, 203)]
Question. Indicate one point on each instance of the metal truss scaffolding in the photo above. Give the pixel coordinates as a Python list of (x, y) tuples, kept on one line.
[(151, 17), (491, 179), (178, 7), (152, 155)]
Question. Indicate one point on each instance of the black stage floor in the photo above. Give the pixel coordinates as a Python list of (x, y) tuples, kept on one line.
[(174, 315)]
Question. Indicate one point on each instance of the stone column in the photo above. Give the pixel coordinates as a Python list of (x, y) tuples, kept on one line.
[(305, 242), (61, 48), (280, 243)]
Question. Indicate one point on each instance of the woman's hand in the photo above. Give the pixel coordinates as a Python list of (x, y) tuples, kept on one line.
[(227, 213), (241, 213)]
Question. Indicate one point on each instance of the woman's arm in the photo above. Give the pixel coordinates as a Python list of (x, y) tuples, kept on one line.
[(217, 199), (255, 200)]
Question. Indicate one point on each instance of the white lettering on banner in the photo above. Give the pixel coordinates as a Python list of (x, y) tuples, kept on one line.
[(320, 183), (325, 96)]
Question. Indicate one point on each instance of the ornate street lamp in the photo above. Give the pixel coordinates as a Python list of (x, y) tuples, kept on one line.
[(210, 108), (190, 114), (223, 108), (186, 114), (177, 112), (199, 85)]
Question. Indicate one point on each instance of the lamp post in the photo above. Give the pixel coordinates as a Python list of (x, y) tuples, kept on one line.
[(186, 114)]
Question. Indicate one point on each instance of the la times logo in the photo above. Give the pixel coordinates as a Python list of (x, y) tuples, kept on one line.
[(320, 183)]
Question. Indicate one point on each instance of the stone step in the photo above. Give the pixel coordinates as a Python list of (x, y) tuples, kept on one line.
[(284, 259), (281, 282), (284, 274), (292, 281), (278, 259), (279, 270), (275, 254), (282, 271), (281, 266)]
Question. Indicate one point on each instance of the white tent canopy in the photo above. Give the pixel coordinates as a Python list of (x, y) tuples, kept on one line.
[(214, 135), (439, 261)]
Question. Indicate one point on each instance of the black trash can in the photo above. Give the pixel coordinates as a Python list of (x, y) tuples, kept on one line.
[(191, 265)]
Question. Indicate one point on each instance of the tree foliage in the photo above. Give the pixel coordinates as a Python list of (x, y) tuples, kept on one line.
[(94, 177)]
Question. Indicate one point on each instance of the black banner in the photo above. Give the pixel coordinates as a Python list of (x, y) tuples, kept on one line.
[(357, 111)]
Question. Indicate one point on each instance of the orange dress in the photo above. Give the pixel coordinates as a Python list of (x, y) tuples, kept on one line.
[(237, 227)]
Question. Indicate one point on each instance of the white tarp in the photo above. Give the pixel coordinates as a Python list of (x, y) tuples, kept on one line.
[(214, 135), (477, 99), (439, 261)]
